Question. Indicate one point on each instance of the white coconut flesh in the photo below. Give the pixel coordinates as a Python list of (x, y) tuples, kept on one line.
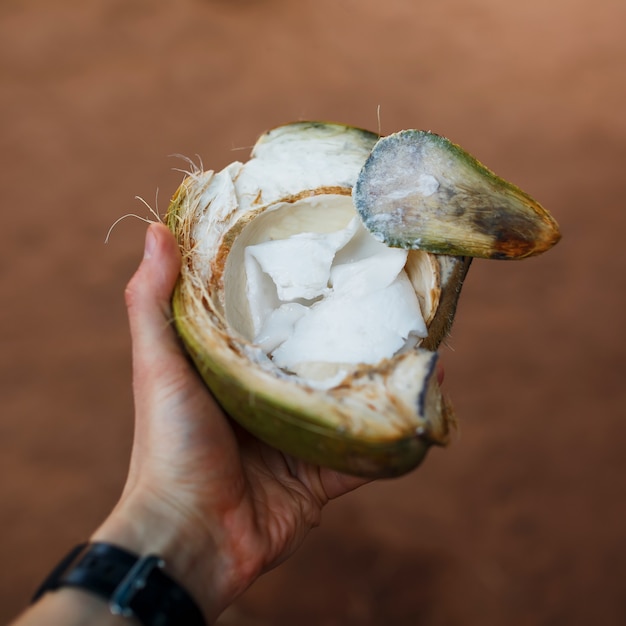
[(309, 285)]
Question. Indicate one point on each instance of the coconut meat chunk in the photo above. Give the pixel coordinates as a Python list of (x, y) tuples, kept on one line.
[(323, 303), (299, 265)]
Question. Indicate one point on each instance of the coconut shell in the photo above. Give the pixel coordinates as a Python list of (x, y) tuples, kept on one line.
[(378, 420)]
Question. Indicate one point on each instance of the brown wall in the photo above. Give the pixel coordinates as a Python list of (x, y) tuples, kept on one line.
[(522, 519)]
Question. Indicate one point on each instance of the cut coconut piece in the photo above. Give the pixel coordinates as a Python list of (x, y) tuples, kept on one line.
[(348, 328), (323, 317), (300, 265), (370, 273), (279, 325)]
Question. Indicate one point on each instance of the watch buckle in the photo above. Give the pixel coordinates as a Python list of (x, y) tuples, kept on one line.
[(134, 581)]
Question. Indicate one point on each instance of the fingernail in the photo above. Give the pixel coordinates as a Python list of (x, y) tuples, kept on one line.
[(150, 243)]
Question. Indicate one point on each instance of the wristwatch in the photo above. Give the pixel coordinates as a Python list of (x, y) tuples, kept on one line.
[(133, 586)]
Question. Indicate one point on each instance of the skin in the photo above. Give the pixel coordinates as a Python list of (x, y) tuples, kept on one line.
[(218, 505)]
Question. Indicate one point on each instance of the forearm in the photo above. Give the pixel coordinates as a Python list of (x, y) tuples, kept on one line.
[(71, 607)]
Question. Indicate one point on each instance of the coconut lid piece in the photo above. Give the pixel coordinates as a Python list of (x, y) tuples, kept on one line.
[(418, 190)]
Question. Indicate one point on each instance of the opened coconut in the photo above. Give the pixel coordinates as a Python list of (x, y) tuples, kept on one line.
[(320, 277)]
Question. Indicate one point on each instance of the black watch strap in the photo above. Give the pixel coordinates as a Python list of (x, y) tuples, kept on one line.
[(132, 585)]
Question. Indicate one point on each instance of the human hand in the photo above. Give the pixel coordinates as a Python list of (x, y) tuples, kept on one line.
[(220, 506)]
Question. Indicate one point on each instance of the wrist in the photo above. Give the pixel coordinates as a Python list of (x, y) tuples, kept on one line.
[(191, 560)]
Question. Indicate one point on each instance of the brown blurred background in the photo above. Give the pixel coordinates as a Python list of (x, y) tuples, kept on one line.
[(522, 520)]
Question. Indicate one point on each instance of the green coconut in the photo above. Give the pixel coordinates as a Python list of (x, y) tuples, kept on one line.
[(312, 319)]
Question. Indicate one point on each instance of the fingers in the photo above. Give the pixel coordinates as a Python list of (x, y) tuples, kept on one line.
[(440, 373), (336, 484)]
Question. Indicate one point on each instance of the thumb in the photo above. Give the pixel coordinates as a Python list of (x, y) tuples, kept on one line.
[(148, 297)]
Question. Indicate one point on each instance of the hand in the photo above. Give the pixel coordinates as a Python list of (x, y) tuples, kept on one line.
[(218, 504)]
